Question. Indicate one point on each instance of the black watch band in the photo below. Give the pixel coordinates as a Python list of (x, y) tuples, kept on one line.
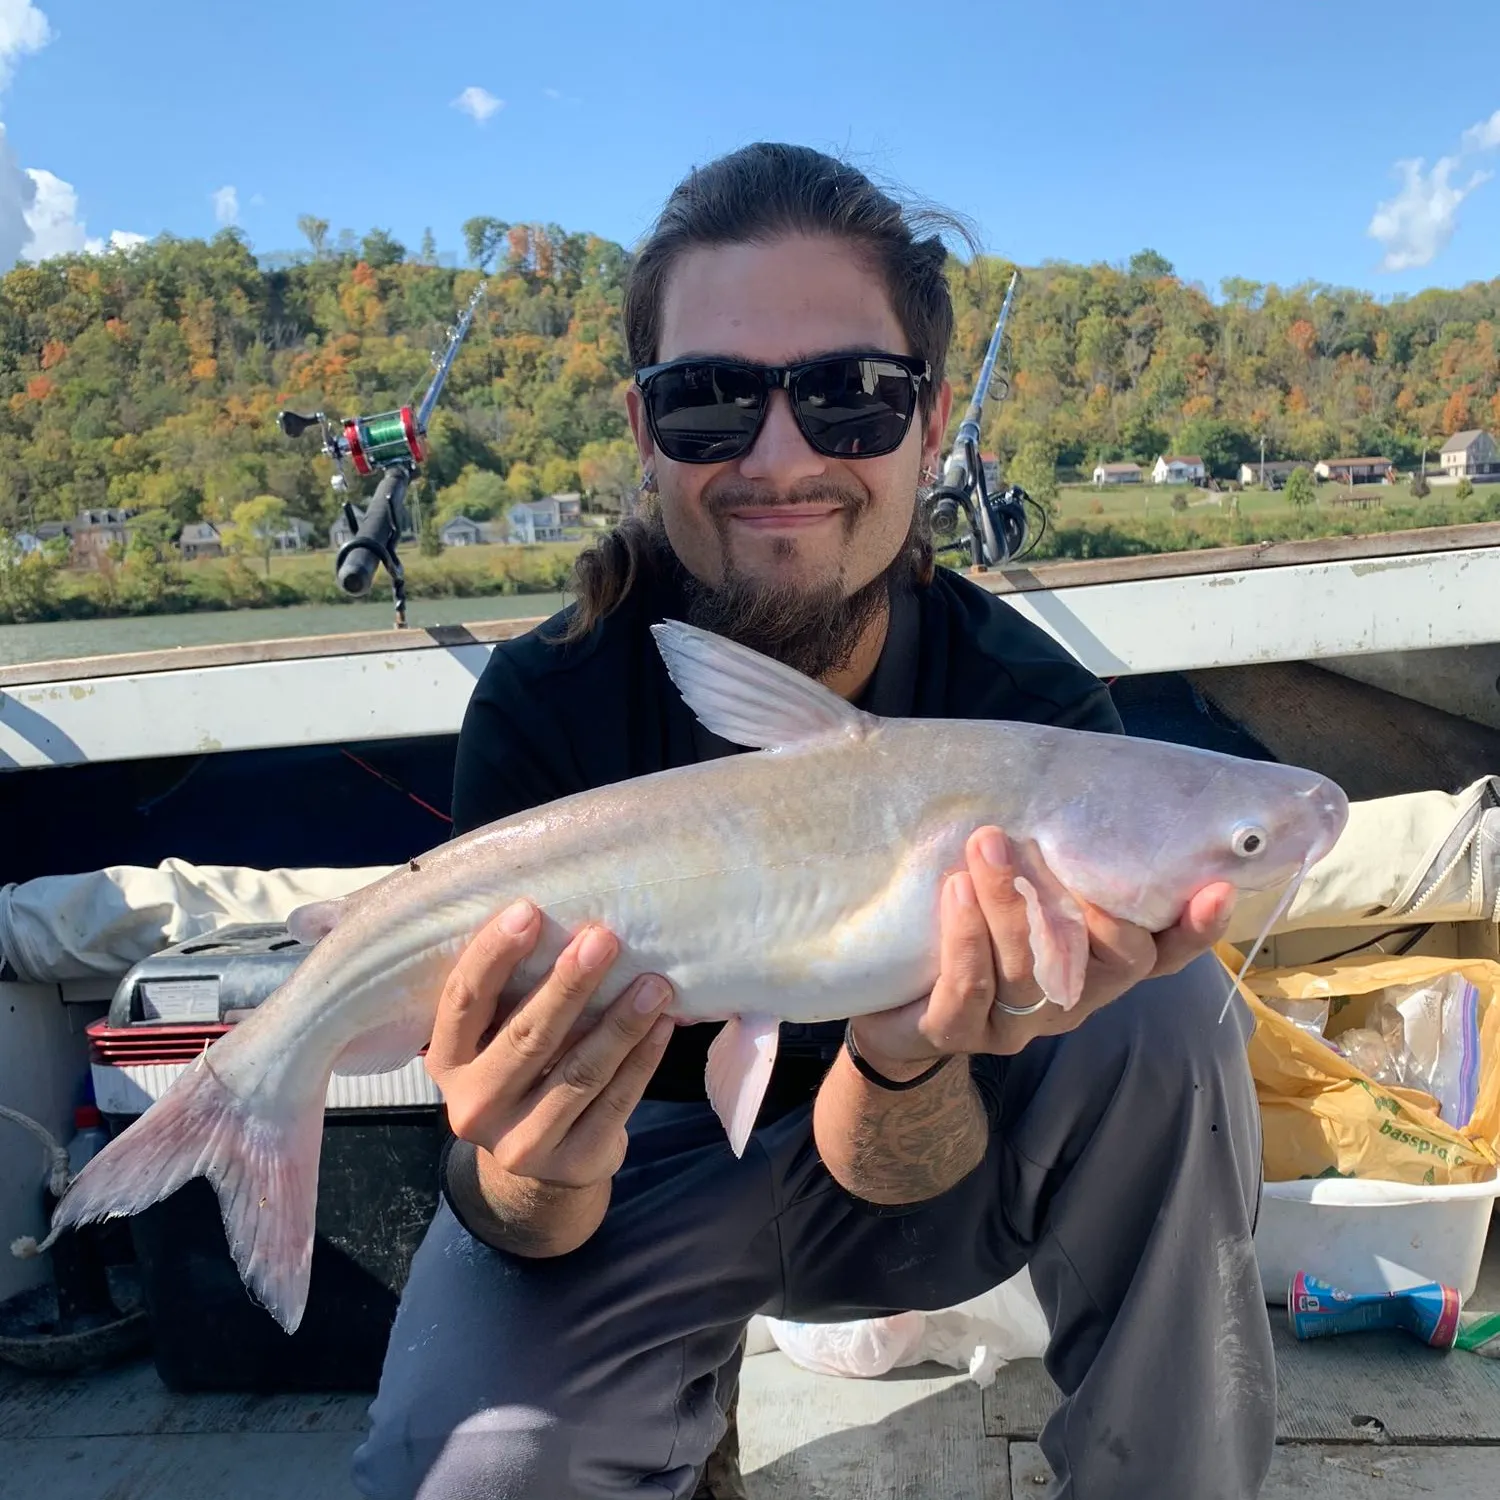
[(879, 1080)]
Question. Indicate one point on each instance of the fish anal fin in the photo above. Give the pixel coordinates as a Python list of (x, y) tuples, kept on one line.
[(740, 1060), (747, 698), (1058, 930)]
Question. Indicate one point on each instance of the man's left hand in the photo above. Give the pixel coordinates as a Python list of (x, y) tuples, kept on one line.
[(985, 956)]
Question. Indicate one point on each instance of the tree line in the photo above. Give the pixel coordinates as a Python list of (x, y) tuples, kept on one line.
[(149, 378)]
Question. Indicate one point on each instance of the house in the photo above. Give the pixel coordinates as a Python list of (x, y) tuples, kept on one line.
[(340, 534), (200, 539), (1356, 470), (27, 542), (1470, 455), (294, 536), (460, 532), (545, 520), (50, 530), (95, 532), (1277, 470), (1117, 474), (1176, 468)]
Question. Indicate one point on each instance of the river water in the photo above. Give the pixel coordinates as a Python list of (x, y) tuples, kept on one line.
[(61, 639)]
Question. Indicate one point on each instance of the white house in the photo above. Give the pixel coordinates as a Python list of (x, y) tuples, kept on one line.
[(460, 531), (293, 536), (1117, 474), (545, 520), (1470, 455), (1356, 470), (1278, 471), (26, 543), (1175, 468), (339, 534)]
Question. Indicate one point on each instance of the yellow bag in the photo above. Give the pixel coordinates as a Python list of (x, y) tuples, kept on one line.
[(1322, 1117)]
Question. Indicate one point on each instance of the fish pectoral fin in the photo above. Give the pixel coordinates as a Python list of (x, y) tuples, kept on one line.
[(315, 920), (740, 1060), (1059, 933), (747, 698), (384, 1049)]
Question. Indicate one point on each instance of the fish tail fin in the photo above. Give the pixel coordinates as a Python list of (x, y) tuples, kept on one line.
[(263, 1166), (740, 1060)]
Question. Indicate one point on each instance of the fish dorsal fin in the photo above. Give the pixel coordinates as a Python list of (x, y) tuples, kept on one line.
[(747, 698)]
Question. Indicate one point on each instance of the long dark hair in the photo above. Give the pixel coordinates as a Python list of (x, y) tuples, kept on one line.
[(760, 193)]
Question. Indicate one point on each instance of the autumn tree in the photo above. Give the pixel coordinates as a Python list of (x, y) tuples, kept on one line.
[(609, 472)]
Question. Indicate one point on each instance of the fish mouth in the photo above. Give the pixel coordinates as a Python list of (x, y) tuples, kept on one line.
[(1331, 810)]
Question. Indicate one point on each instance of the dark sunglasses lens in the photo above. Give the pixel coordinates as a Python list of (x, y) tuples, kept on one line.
[(706, 413), (855, 408)]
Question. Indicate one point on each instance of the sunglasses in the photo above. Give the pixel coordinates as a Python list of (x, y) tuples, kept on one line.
[(703, 410)]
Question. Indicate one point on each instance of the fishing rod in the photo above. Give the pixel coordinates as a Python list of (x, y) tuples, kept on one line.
[(997, 522), (392, 443)]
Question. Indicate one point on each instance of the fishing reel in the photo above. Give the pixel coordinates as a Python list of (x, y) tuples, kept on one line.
[(997, 523), (392, 444)]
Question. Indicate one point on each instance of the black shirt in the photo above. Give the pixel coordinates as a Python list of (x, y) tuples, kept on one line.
[(548, 720)]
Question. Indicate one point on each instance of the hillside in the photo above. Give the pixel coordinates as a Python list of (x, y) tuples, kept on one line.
[(150, 378)]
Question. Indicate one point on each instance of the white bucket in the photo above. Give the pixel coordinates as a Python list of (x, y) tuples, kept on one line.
[(1372, 1236)]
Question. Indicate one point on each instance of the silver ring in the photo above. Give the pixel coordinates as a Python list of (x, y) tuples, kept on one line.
[(1011, 1010)]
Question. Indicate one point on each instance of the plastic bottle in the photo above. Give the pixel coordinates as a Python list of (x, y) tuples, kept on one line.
[(89, 1137)]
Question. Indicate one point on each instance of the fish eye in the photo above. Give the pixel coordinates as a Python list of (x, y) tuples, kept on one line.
[(1248, 840)]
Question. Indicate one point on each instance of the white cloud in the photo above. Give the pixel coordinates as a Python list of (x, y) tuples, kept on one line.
[(54, 225), (479, 104), (1484, 136), (553, 93), (23, 29), (1419, 221), (226, 202), (1416, 225)]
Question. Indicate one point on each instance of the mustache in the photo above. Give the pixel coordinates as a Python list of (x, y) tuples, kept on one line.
[(731, 492)]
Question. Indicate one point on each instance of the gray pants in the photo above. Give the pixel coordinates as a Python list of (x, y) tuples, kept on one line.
[(1123, 1167)]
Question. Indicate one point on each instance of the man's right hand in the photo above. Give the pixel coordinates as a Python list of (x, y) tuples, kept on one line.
[(542, 1098)]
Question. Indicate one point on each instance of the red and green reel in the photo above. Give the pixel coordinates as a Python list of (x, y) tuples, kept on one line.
[(382, 441)]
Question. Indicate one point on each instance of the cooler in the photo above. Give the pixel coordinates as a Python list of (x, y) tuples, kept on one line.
[(377, 1183)]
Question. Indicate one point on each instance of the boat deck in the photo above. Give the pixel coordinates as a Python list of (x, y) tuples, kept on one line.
[(1371, 1415)]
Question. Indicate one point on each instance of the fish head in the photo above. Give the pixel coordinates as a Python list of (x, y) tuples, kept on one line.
[(1254, 825), (1193, 819)]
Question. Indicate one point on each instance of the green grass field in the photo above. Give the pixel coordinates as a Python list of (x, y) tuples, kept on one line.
[(1082, 502)]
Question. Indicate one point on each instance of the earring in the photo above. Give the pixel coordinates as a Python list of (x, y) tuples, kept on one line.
[(929, 474), (648, 482)]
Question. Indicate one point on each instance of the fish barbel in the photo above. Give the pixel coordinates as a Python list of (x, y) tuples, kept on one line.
[(801, 883)]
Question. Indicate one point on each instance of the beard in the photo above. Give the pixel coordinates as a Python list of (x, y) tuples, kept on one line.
[(813, 628)]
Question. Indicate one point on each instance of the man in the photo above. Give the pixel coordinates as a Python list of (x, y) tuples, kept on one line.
[(572, 1322)]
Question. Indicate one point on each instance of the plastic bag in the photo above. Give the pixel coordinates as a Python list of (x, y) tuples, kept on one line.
[(1440, 1027), (978, 1336), (1324, 1117)]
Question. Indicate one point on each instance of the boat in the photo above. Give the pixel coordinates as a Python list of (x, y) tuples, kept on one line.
[(1375, 660)]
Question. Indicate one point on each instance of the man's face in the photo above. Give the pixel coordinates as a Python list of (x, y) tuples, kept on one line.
[(784, 517)]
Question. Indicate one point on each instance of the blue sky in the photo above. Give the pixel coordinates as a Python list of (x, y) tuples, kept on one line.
[(1237, 138)]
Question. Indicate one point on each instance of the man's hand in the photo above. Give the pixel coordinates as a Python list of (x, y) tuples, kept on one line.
[(541, 1095), (986, 956)]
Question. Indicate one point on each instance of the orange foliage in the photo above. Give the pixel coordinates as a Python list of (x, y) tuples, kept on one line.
[(1198, 406), (1303, 337), (1406, 399), (117, 328), (53, 352), (1455, 413), (1296, 399), (39, 387), (205, 368)]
